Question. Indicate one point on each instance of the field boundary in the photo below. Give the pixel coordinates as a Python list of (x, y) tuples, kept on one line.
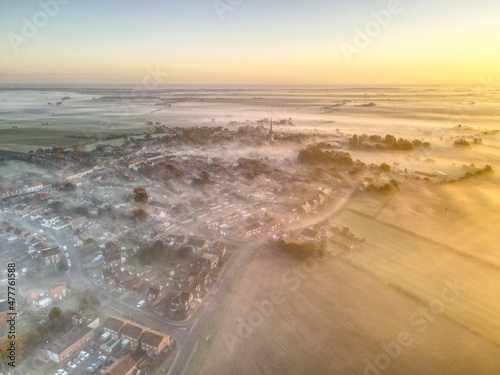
[(430, 240)]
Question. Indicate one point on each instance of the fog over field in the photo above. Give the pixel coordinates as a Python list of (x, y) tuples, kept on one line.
[(417, 295)]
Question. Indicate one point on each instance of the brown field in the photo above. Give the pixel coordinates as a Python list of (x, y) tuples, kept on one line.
[(335, 319)]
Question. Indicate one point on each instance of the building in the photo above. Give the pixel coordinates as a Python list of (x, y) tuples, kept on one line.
[(68, 344), (133, 333), (114, 325), (111, 255), (273, 224), (220, 249), (59, 292), (252, 229), (154, 342), (124, 366), (197, 243), (78, 222), (270, 136), (51, 256), (309, 234), (50, 220), (182, 301), (44, 302), (155, 295), (208, 261)]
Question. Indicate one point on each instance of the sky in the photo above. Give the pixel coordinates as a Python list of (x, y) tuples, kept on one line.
[(265, 42)]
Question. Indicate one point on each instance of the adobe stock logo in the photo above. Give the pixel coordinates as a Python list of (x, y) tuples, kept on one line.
[(224, 6), (30, 28), (363, 37)]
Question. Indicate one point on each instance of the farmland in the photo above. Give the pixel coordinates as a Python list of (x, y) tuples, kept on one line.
[(418, 280), (333, 320)]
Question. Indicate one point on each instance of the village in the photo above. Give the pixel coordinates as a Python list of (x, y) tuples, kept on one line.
[(151, 230)]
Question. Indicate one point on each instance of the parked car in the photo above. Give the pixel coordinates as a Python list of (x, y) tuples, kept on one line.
[(62, 372), (102, 358), (84, 354), (141, 302), (81, 358), (72, 365), (77, 361)]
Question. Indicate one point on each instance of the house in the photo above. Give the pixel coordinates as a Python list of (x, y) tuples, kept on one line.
[(322, 226), (197, 243), (221, 247), (309, 234), (50, 220), (44, 302), (78, 222), (154, 342), (59, 292), (273, 224), (131, 282), (306, 207), (31, 298), (111, 255), (198, 284), (68, 344), (124, 366), (51, 256), (252, 229), (142, 288), (182, 301), (114, 325), (208, 261), (155, 295), (133, 333)]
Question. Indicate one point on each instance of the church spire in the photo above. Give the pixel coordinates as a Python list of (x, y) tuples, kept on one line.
[(271, 133)]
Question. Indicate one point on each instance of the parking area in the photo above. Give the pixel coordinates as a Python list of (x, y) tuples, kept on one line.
[(90, 365)]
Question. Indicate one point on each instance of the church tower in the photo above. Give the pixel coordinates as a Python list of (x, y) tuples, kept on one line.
[(271, 133)]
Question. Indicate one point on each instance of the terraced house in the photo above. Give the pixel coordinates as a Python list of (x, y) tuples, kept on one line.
[(154, 342), (133, 333)]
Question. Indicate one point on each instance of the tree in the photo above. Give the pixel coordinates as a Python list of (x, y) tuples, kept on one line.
[(56, 206), (387, 188), (148, 134), (385, 167), (62, 266), (82, 210), (354, 141), (140, 214), (79, 148), (90, 243), (390, 140), (140, 195), (184, 252), (89, 301), (55, 313), (69, 187)]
